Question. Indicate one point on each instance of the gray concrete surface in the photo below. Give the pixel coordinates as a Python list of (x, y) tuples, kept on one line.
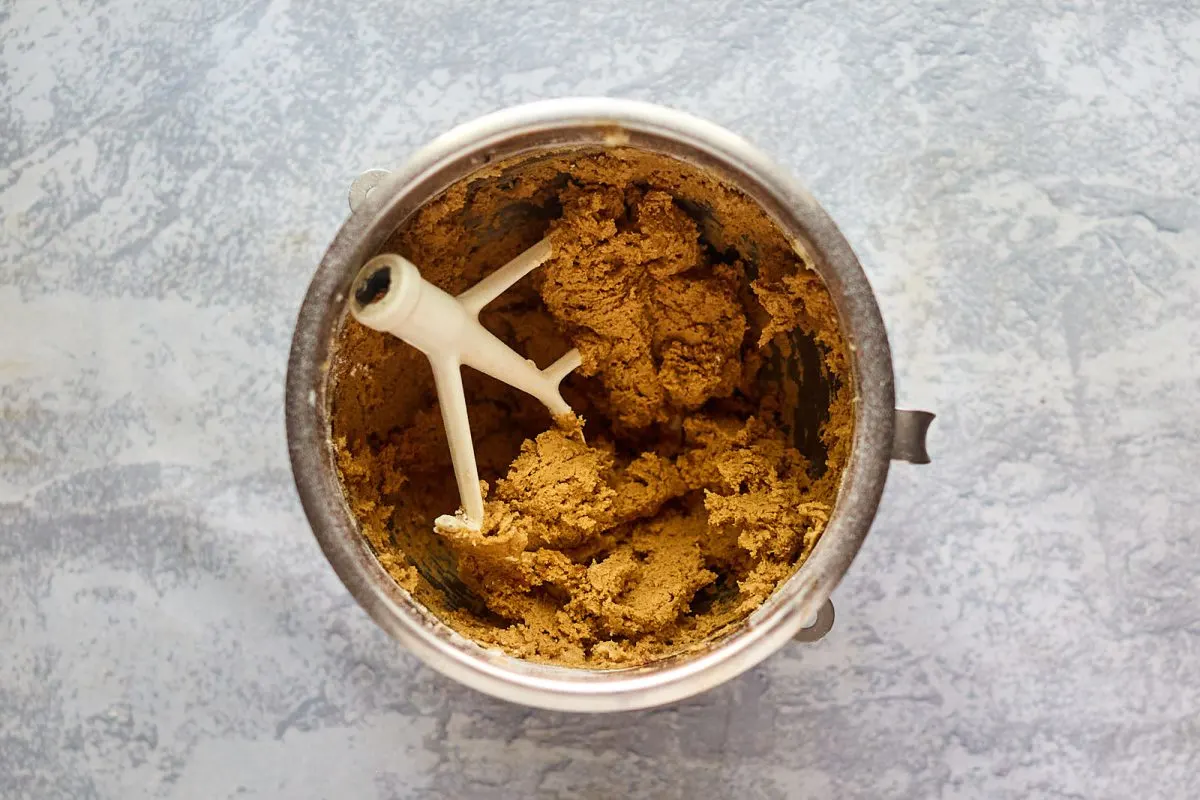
[(1020, 179)]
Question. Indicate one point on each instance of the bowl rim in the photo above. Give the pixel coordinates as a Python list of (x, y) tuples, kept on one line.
[(566, 123)]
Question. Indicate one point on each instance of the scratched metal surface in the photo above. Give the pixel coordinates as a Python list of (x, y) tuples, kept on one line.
[(1020, 180)]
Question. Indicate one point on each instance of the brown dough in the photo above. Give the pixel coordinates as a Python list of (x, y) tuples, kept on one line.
[(682, 502)]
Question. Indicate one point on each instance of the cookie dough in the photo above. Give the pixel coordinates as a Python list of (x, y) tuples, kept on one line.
[(678, 500)]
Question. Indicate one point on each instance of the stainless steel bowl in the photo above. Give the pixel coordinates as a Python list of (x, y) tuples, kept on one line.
[(799, 608)]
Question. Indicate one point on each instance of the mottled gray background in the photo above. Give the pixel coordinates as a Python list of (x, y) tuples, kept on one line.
[(1020, 180)]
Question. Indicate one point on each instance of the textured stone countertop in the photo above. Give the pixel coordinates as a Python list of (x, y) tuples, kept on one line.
[(1021, 182)]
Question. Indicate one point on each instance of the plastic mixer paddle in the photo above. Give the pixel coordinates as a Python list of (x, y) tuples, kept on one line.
[(389, 295)]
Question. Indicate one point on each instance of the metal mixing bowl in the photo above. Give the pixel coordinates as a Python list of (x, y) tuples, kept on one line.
[(799, 608)]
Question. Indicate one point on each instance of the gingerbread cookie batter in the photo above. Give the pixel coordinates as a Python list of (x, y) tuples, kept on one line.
[(682, 501)]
